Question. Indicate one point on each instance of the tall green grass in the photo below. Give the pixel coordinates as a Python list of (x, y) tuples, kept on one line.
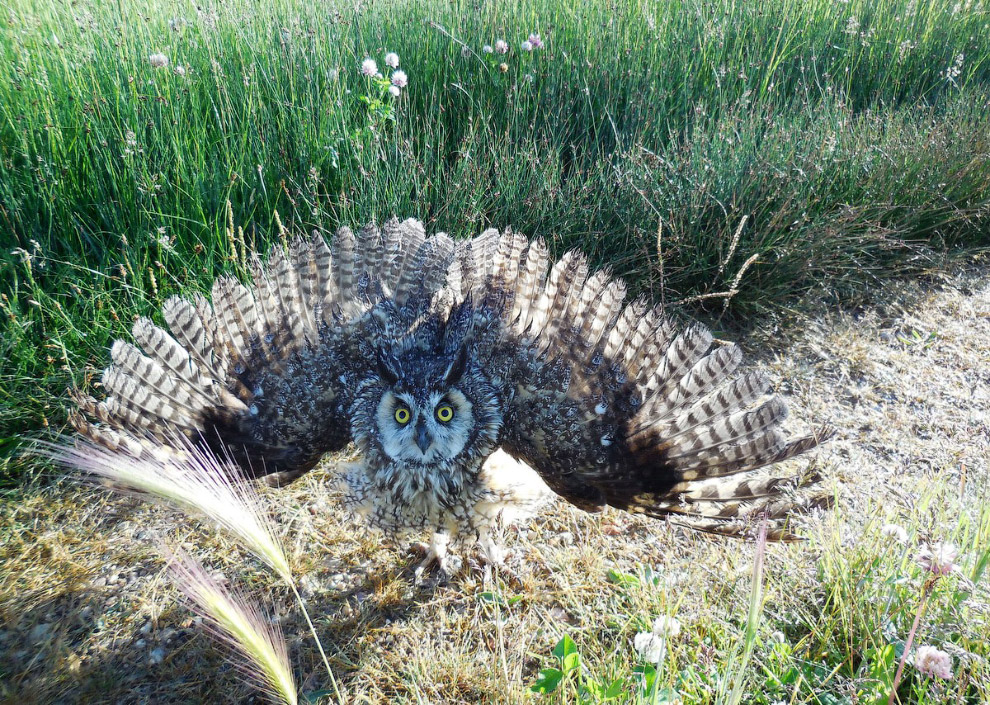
[(720, 152)]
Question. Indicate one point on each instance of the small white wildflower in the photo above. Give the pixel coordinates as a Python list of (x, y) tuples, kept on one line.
[(158, 60), (179, 70), (526, 45), (852, 26), (666, 627), (369, 67), (529, 78), (394, 91), (465, 51), (535, 41), (893, 531), (501, 47), (939, 558), (400, 79), (487, 49), (952, 72), (392, 60), (333, 74), (933, 662), (649, 646)]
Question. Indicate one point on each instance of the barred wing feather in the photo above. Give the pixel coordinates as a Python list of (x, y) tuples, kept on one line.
[(613, 406), (263, 372)]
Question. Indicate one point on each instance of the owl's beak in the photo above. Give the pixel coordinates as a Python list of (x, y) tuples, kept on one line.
[(422, 439)]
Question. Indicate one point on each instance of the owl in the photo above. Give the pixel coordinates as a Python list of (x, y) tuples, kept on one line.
[(454, 368)]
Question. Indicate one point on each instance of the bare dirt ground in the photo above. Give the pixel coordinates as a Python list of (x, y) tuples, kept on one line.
[(87, 614)]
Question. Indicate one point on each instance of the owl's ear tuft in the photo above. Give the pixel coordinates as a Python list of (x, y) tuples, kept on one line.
[(456, 367), (387, 366)]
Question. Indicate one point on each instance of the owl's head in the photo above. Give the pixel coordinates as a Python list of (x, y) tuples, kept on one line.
[(428, 408)]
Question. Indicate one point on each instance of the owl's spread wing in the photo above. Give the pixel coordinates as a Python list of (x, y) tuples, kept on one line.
[(264, 372), (611, 405)]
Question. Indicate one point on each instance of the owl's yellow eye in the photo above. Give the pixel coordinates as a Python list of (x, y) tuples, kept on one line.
[(402, 415), (445, 413)]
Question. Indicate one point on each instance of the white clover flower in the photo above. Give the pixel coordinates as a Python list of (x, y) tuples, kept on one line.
[(939, 558), (369, 67), (933, 662), (952, 72), (392, 60), (158, 60), (526, 45), (501, 47), (666, 627), (179, 70), (400, 79), (333, 74), (487, 49), (535, 41), (893, 531), (529, 78), (649, 646), (394, 91)]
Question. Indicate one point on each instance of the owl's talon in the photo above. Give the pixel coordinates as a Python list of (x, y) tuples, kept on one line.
[(437, 554), (418, 548)]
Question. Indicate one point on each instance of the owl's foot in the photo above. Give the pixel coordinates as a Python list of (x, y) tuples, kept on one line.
[(437, 555), (493, 556)]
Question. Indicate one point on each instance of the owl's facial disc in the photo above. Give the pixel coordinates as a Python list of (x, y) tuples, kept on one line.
[(427, 429)]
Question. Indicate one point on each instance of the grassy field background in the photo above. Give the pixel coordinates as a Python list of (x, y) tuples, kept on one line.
[(722, 156), (765, 151)]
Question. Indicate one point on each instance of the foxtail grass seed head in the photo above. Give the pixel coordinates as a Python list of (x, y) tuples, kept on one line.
[(369, 67), (894, 531), (526, 45), (535, 41), (159, 61), (939, 558), (192, 480), (501, 47), (933, 662), (400, 79), (392, 60), (237, 621)]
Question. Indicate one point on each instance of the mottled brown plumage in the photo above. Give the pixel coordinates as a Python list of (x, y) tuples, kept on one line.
[(375, 338)]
